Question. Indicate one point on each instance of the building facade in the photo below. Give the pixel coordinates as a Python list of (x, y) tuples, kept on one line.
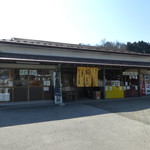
[(41, 70)]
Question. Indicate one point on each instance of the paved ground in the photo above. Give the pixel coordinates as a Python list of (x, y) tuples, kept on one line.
[(135, 109), (109, 125)]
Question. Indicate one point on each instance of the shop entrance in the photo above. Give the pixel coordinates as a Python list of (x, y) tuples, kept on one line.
[(119, 83), (33, 84), (25, 84), (122, 83), (72, 92)]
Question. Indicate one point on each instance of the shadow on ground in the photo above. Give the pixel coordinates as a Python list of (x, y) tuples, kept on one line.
[(126, 105), (13, 115)]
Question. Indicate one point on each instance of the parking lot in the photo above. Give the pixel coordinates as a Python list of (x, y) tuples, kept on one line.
[(136, 108), (110, 124)]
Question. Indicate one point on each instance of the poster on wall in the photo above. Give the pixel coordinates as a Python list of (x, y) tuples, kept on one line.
[(46, 88)]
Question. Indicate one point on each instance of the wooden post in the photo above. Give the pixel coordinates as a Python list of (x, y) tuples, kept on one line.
[(104, 80)]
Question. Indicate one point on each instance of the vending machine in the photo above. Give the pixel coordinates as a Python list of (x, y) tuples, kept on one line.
[(147, 84)]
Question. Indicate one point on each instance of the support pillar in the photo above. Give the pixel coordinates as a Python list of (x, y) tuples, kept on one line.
[(104, 80)]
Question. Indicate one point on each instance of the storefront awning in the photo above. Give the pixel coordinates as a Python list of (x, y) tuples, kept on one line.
[(70, 60)]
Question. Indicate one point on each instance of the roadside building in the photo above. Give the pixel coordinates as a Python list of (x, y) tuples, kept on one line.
[(41, 70)]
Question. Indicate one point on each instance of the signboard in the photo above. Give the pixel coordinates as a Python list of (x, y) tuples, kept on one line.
[(57, 86), (33, 72), (130, 73), (23, 72)]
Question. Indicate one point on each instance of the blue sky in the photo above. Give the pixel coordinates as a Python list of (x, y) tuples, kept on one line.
[(76, 21)]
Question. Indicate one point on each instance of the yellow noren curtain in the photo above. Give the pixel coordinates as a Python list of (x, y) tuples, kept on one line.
[(87, 76)]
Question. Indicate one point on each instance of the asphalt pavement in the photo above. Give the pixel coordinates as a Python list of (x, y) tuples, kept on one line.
[(104, 125), (136, 108)]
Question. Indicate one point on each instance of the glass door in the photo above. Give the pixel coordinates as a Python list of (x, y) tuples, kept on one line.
[(35, 84), (32, 84)]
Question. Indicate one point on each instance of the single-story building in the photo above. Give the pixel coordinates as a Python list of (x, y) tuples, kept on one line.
[(42, 70)]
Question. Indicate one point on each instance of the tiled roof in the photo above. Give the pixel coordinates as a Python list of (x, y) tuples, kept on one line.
[(68, 46), (66, 60)]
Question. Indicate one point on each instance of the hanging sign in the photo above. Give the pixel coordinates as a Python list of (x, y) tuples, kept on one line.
[(57, 86)]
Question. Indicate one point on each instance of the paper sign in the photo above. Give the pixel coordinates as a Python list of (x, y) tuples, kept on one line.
[(48, 83), (23, 72), (125, 88), (33, 72), (128, 87), (136, 87), (117, 83), (45, 83), (10, 83), (46, 88), (106, 88), (110, 88)]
